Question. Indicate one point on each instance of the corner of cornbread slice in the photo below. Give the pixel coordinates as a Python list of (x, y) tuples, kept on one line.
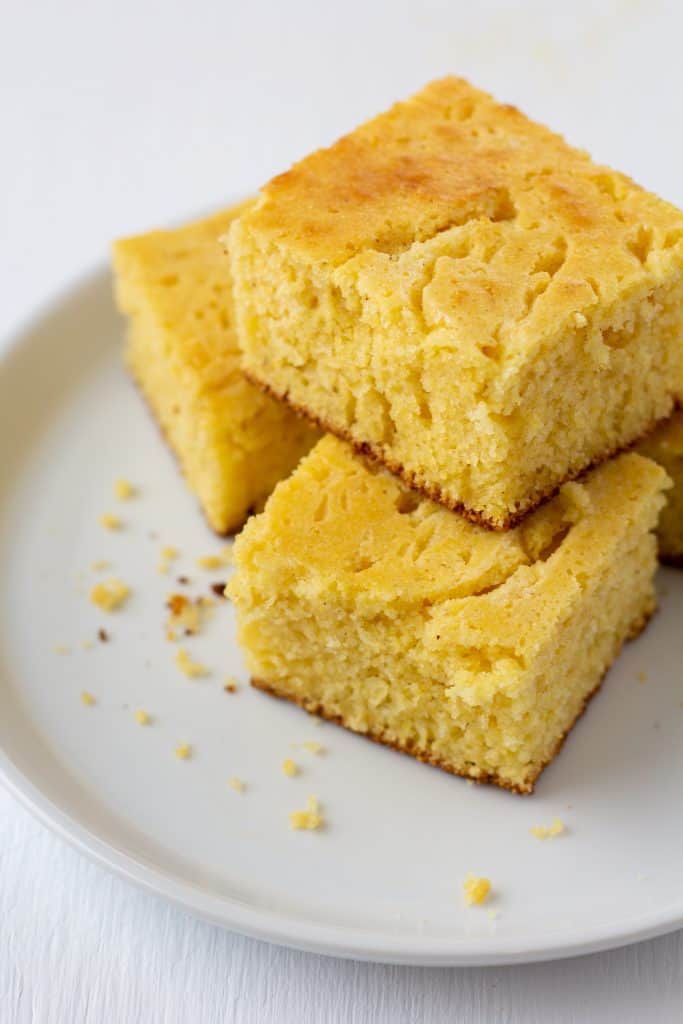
[(233, 443), (665, 446), (473, 650), (465, 297)]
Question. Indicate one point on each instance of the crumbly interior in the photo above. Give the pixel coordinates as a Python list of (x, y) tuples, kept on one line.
[(665, 446), (233, 442), (475, 302), (474, 650)]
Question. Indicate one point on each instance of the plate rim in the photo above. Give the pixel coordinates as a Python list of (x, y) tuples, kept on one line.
[(260, 923)]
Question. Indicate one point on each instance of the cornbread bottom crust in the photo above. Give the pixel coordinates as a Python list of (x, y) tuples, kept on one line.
[(422, 755), (232, 532), (432, 491)]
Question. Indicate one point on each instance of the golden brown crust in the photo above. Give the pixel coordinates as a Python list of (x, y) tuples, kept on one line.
[(523, 790), (431, 491)]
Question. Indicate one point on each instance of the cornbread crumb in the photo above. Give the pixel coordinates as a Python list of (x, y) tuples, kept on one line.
[(109, 595), (183, 751), (110, 521), (492, 914), (87, 699), (192, 669), (62, 649), (102, 636), (99, 565), (123, 489), (313, 747), (236, 784), (230, 685), (141, 717), (556, 828), (310, 819), (168, 554), (642, 677), (219, 590), (290, 767), (86, 644), (476, 889), (218, 561)]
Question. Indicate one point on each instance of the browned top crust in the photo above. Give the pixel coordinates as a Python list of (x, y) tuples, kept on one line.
[(449, 155)]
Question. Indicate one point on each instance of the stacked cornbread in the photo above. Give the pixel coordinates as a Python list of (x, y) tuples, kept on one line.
[(485, 319), (461, 296)]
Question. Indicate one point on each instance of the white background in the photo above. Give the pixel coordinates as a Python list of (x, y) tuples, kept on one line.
[(124, 116)]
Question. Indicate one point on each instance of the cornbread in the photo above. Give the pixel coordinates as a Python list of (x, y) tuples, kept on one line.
[(310, 819), (372, 606), (233, 443), (466, 298), (665, 446)]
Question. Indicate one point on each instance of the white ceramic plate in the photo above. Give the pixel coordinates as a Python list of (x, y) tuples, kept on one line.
[(383, 881)]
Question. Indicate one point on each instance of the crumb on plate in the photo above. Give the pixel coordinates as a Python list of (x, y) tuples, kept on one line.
[(230, 685), (236, 784), (87, 699), (290, 767), (555, 828), (142, 717), (109, 595), (123, 489), (476, 889), (110, 522), (183, 751), (309, 819), (191, 669), (313, 747)]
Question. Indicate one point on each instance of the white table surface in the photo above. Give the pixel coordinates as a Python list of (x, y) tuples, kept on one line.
[(123, 116)]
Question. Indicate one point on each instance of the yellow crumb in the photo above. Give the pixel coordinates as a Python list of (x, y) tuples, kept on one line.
[(123, 489), (311, 818), (110, 522), (642, 677), (192, 669), (87, 699), (86, 644), (290, 767), (223, 558), (186, 615), (236, 784), (476, 889), (556, 828), (141, 717), (102, 563), (230, 685), (313, 747), (169, 553), (109, 595), (62, 649), (184, 751)]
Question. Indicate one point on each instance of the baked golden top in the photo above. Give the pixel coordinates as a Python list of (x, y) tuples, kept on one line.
[(338, 526), (527, 205)]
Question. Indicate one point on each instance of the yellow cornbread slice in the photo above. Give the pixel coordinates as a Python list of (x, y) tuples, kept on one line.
[(465, 297), (476, 651), (665, 446), (233, 443)]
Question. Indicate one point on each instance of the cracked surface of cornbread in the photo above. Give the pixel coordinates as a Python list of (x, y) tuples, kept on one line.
[(665, 446), (476, 651), (465, 297), (233, 442)]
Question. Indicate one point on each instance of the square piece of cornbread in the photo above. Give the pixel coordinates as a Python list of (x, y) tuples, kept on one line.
[(374, 607), (233, 442), (466, 298), (665, 446)]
